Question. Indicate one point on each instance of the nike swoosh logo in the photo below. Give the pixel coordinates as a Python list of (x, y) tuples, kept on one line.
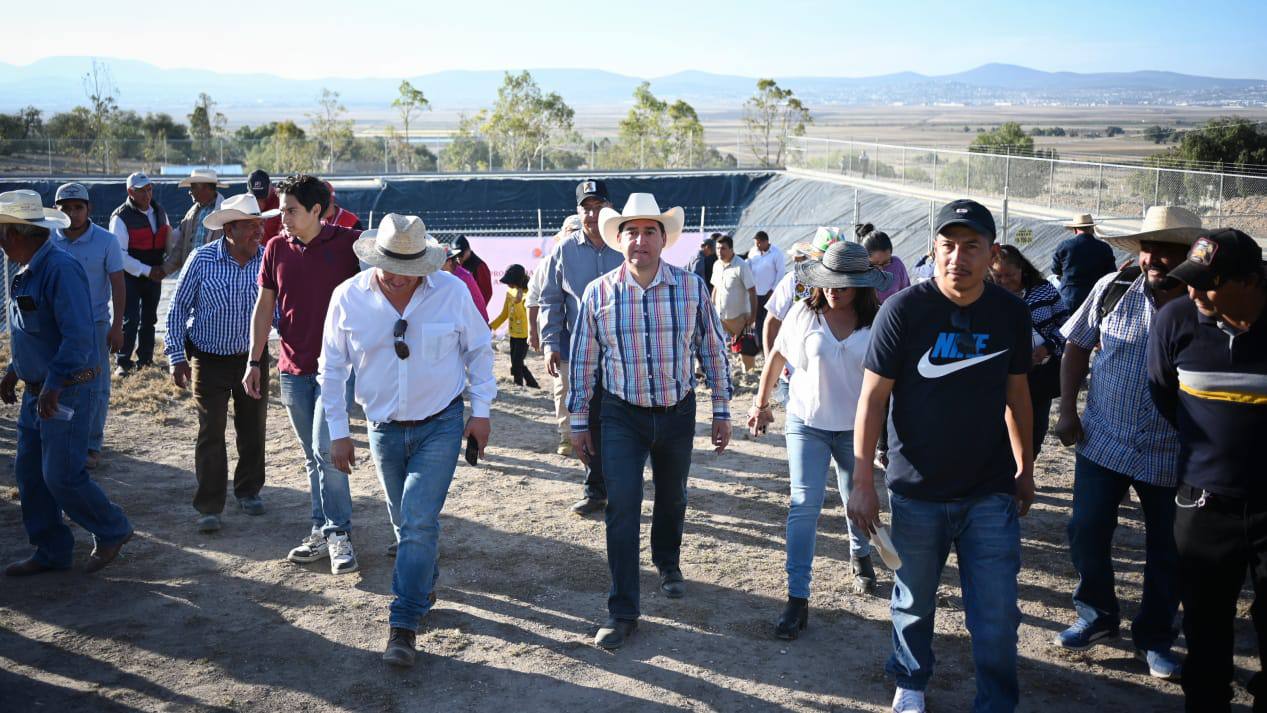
[(929, 370)]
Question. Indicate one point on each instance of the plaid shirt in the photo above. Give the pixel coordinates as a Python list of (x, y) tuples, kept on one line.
[(643, 341), (1123, 430), (214, 300)]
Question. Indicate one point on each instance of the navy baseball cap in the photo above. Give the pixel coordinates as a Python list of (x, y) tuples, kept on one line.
[(969, 214), (591, 188), (1218, 256), (71, 192), (257, 183)]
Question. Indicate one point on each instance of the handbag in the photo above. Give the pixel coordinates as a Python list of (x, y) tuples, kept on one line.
[(745, 344)]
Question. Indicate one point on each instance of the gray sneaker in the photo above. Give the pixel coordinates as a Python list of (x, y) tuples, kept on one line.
[(252, 505), (342, 555), (313, 548), (208, 523)]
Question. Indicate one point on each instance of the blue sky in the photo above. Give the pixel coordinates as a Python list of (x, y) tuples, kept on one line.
[(322, 38)]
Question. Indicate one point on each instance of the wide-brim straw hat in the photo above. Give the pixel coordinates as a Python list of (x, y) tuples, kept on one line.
[(25, 207), (401, 245), (1161, 224), (844, 264), (640, 206), (202, 175), (1081, 221), (241, 207)]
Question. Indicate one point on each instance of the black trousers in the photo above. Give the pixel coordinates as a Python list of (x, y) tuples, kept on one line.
[(518, 368), (1218, 544), (595, 485), (761, 313), (140, 314), (216, 379)]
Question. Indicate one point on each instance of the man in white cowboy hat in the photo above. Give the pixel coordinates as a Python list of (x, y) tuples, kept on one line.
[(1124, 442), (417, 344), (536, 285), (99, 254), (576, 261), (208, 335), (51, 333), (192, 232), (141, 227), (1080, 261), (640, 327)]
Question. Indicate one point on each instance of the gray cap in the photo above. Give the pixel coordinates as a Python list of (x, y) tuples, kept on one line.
[(138, 180), (71, 192)]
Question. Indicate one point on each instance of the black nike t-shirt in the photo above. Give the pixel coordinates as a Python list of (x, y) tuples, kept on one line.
[(947, 430)]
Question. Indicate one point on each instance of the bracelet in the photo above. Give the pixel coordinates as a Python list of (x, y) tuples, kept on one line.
[(253, 362), (759, 407)]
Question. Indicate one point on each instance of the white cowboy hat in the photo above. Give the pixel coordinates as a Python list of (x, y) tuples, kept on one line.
[(640, 206), (1161, 224), (401, 245), (202, 175), (242, 207), (24, 207), (1083, 220)]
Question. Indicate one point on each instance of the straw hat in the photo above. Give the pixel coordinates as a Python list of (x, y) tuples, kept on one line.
[(24, 207), (1162, 224), (401, 245), (1083, 220), (242, 207), (202, 175), (844, 264), (641, 206)]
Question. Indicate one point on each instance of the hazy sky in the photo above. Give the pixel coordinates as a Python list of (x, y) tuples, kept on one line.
[(649, 38)]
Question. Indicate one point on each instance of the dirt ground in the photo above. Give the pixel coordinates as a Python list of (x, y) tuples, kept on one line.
[(187, 621)]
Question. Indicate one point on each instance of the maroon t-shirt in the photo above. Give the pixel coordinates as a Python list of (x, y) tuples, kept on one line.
[(304, 278)]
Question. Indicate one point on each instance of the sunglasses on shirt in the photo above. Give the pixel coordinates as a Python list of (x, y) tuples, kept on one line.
[(402, 349), (965, 342)]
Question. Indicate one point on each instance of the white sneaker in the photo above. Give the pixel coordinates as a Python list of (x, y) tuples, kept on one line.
[(908, 701), (342, 556), (313, 548)]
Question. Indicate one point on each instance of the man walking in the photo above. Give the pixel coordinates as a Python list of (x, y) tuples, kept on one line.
[(140, 225), (298, 273), (1124, 442), (417, 344), (702, 263), (208, 336), (51, 332), (768, 264), (193, 233), (1207, 369), (954, 354), (640, 326), (1080, 261), (734, 293), (98, 253), (576, 261)]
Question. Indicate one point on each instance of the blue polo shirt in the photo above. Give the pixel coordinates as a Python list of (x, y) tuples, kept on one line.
[(50, 318), (98, 251)]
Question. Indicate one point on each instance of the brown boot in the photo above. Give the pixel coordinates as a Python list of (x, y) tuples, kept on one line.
[(102, 556)]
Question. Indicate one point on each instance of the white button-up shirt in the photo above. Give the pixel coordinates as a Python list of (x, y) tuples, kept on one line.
[(450, 351), (767, 267)]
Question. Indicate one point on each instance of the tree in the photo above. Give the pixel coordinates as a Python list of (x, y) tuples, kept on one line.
[(100, 90), (656, 134), (331, 129), (74, 132), (1009, 138), (205, 125), (409, 102), (467, 150), (771, 115), (1114, 131), (525, 121), (1225, 140), (1158, 134)]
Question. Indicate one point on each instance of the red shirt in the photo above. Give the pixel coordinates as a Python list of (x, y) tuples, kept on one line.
[(344, 218), (272, 226), (304, 278)]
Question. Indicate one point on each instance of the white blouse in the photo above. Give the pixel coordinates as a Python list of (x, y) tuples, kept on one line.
[(826, 372)]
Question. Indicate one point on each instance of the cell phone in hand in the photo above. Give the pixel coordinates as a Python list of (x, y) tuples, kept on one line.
[(472, 450)]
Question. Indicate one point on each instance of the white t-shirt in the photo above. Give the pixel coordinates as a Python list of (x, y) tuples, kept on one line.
[(826, 372), (730, 285)]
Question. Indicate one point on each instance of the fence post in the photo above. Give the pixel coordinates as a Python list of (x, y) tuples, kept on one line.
[(1051, 183), (967, 174), (1220, 208), (903, 179), (934, 170), (850, 154), (702, 209), (221, 152), (540, 231), (932, 225), (50, 163), (1157, 189), (385, 164), (1099, 187), (855, 206)]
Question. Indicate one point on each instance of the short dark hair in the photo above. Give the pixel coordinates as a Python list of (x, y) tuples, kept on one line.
[(865, 304), (715, 236), (308, 190), (1012, 255), (727, 241), (761, 235)]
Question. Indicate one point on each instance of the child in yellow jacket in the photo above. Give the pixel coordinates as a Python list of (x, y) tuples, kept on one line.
[(516, 279)]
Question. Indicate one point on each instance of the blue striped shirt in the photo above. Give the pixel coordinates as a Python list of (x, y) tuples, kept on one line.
[(213, 303)]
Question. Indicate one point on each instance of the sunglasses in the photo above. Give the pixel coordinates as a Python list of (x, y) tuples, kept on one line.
[(965, 342), (402, 349)]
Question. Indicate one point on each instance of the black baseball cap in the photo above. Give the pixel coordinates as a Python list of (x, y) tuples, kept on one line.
[(967, 213), (591, 188), (1218, 256), (257, 183)]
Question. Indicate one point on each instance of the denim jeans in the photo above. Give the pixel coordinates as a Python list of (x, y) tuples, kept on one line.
[(101, 387), (630, 435), (52, 480), (985, 532), (331, 495), (1097, 493), (140, 314), (809, 450), (415, 465)]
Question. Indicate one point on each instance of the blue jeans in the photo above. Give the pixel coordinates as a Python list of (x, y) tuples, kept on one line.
[(630, 435), (415, 465), (985, 533), (331, 495), (1097, 493), (100, 386), (808, 451), (52, 480)]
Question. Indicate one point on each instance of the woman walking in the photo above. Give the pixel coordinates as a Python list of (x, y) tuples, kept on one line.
[(513, 308), (824, 339)]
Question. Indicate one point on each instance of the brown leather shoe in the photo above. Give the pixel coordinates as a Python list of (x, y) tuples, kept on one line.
[(102, 556), (27, 567)]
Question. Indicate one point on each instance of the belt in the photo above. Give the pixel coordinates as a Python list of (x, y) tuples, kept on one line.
[(1219, 503), (429, 419), (82, 376), (672, 408)]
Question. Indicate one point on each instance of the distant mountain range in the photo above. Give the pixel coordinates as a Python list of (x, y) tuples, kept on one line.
[(55, 84)]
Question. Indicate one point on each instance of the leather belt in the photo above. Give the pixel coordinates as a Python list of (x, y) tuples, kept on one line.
[(429, 419)]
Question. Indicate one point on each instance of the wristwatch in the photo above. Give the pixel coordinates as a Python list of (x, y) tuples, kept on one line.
[(253, 362)]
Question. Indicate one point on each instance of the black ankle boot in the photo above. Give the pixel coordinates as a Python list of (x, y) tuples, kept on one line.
[(793, 620)]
